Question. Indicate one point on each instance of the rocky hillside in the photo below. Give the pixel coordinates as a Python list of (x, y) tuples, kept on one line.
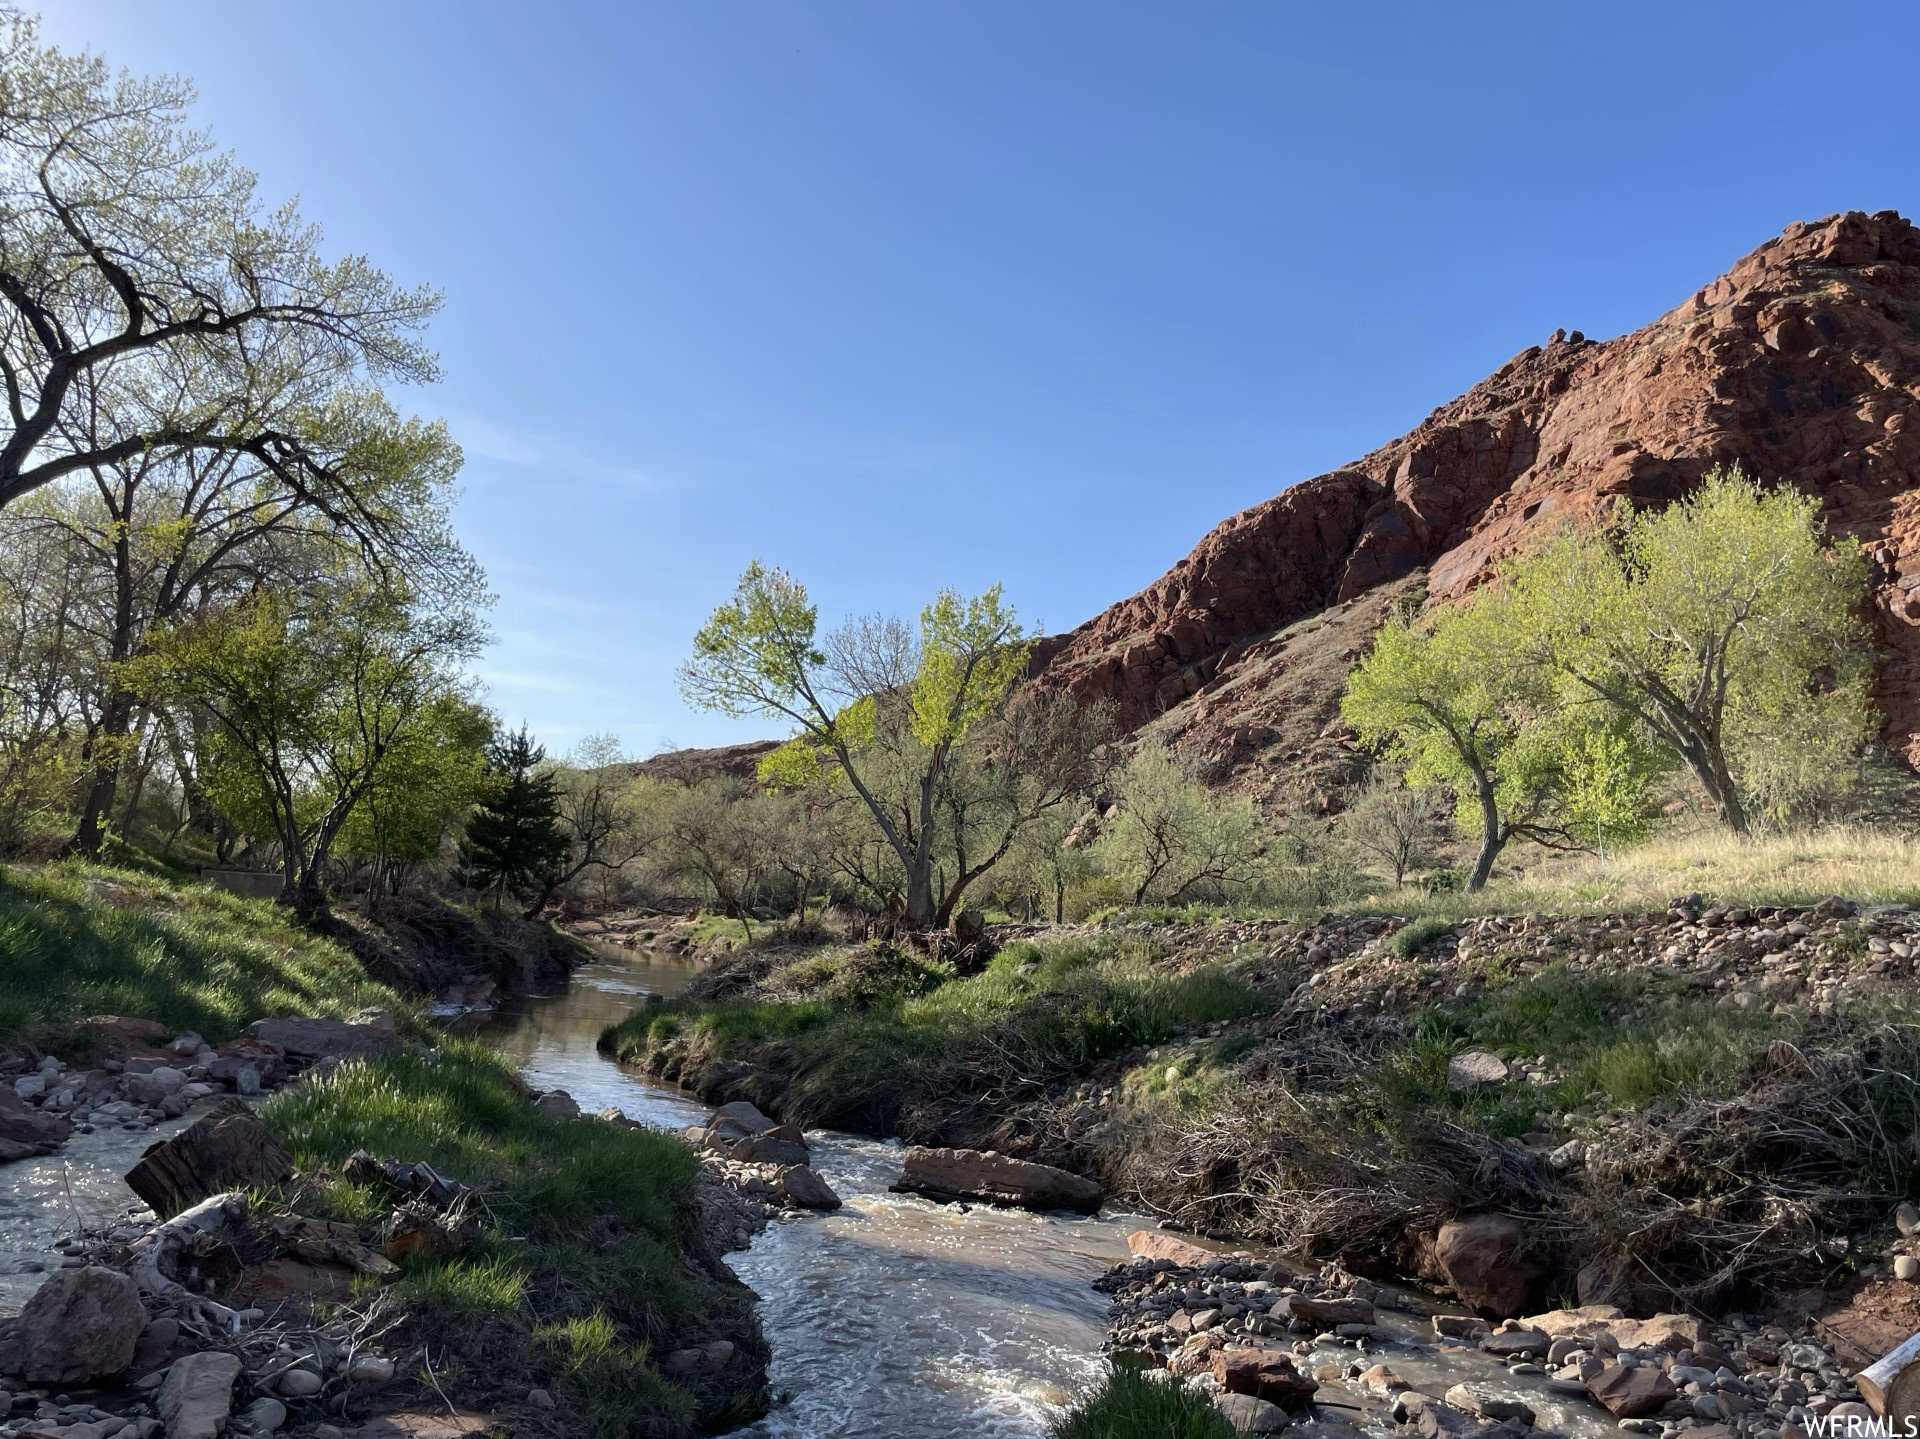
[(1803, 363)]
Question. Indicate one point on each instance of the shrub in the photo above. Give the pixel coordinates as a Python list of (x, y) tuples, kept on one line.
[(1410, 939)]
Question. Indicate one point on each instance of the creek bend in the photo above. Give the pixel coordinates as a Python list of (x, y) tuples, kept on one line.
[(891, 1316)]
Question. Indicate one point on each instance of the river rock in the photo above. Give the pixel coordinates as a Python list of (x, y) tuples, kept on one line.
[(1508, 1342), (557, 1104), (1485, 1402), (1631, 1393), (33, 1129), (1473, 1069), (81, 1324), (1485, 1259), (370, 1369), (949, 1174), (765, 1149), (299, 1383), (739, 1112), (1251, 1415), (1266, 1373), (237, 1056), (1322, 1314), (799, 1184), (198, 1395), (369, 1032), (1158, 1244), (265, 1415)]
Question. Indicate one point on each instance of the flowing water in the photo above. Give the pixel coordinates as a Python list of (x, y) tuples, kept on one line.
[(891, 1316)]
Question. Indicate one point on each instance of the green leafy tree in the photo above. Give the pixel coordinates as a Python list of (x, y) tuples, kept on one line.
[(309, 692), (515, 842), (149, 302), (1607, 779), (1726, 628), (891, 711), (1452, 701), (1173, 840), (726, 843), (434, 774)]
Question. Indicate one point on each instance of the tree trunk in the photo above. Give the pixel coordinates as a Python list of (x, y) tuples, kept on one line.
[(1492, 835), (116, 723), (920, 906)]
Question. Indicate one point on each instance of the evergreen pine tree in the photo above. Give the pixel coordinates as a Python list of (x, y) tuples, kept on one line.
[(515, 842)]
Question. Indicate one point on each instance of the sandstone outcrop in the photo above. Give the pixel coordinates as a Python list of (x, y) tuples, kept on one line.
[(1802, 363)]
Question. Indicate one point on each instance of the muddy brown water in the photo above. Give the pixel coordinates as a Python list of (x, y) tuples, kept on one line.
[(891, 1316)]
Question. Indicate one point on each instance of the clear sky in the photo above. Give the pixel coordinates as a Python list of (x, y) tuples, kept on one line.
[(903, 294)]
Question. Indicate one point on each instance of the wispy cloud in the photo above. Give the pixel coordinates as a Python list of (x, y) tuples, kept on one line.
[(521, 448)]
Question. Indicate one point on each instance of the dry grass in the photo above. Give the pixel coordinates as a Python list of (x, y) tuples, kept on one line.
[(1876, 866)]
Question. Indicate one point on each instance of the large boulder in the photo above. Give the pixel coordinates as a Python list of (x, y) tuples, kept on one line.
[(369, 1032), (1487, 1260), (995, 1178), (197, 1396), (1266, 1373), (1632, 1393), (1324, 1313), (81, 1324), (765, 1149), (800, 1185), (749, 1119)]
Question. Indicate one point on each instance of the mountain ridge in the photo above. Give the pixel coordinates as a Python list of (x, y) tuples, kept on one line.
[(1802, 363)]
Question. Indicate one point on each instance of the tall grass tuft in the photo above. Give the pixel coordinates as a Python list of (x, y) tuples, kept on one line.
[(1131, 1405)]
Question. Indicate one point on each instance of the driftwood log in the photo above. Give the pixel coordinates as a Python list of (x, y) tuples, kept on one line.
[(1891, 1385), (228, 1148)]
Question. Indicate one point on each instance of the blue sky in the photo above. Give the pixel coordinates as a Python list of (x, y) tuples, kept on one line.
[(934, 293)]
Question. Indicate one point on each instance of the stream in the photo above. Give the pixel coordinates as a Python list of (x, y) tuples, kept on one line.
[(890, 1316)]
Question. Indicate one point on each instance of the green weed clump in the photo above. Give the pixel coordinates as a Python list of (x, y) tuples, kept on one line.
[(1057, 1005), (81, 940), (578, 1278), (1410, 939), (1130, 1405)]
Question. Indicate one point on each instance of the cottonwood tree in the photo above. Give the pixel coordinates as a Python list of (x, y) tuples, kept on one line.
[(433, 775), (1726, 628), (1173, 840), (150, 304), (725, 842), (1452, 701), (913, 721), (172, 534), (309, 693)]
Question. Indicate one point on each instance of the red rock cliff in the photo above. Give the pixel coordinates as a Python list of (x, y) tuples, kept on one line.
[(1802, 363)]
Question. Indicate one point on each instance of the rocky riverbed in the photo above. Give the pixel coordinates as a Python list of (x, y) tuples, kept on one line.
[(1281, 1348)]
